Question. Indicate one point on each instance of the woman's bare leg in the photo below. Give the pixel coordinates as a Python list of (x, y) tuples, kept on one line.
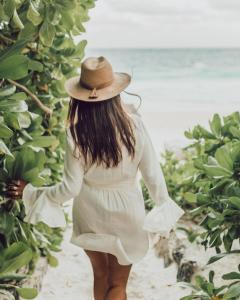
[(118, 278), (99, 261)]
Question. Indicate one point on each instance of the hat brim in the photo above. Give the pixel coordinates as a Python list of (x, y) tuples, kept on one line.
[(77, 91)]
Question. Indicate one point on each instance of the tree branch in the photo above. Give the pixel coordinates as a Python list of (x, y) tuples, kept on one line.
[(46, 109), (6, 39)]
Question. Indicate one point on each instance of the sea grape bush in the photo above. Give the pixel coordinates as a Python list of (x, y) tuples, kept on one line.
[(206, 184), (37, 54)]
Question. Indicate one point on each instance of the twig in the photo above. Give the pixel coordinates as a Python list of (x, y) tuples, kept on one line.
[(46, 109), (6, 39)]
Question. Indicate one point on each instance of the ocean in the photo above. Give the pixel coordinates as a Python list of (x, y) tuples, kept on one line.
[(180, 88), (179, 79)]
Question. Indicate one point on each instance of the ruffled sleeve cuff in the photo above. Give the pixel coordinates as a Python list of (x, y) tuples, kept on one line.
[(39, 208), (163, 218)]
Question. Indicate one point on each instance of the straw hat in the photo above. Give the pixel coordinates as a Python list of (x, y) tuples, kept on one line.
[(97, 81)]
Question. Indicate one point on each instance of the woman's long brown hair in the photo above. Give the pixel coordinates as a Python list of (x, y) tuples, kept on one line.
[(99, 130)]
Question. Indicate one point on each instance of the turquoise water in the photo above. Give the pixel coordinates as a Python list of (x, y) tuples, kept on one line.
[(176, 79)]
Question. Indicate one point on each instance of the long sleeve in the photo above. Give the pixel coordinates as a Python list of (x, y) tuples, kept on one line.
[(45, 203), (162, 218)]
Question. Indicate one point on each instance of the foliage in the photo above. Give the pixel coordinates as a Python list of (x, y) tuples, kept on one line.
[(206, 289), (206, 183), (37, 54)]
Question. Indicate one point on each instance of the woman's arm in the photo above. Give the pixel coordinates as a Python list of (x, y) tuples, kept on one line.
[(151, 170), (71, 183), (44, 203), (163, 217)]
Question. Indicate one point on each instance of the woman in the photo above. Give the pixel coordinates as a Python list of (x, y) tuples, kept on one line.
[(105, 148)]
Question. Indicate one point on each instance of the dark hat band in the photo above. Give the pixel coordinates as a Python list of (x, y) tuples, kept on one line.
[(99, 86)]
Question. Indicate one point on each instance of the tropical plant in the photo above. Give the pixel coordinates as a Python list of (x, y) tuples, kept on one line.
[(209, 182), (207, 290), (37, 53)]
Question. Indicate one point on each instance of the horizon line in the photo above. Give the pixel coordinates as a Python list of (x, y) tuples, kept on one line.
[(164, 48)]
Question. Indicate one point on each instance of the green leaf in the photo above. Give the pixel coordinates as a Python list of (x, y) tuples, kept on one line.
[(235, 201), (24, 119), (4, 149), (43, 141), (224, 159), (190, 197), (217, 171), (9, 7), (14, 49), (35, 65), (233, 292), (235, 132), (16, 20), (14, 67), (52, 260), (33, 15), (15, 256), (47, 33), (215, 125), (5, 132), (18, 96), (13, 106), (7, 91), (231, 276), (7, 223), (27, 293)]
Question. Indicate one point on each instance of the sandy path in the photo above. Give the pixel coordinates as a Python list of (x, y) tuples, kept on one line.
[(72, 279)]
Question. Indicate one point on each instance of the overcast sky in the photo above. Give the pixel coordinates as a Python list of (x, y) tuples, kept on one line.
[(164, 23)]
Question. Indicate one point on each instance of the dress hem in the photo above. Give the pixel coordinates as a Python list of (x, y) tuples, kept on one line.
[(106, 243)]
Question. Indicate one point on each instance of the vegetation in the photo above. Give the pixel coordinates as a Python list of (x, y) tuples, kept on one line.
[(37, 54), (206, 184)]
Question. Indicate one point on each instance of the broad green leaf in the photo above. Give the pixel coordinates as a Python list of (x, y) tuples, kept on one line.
[(47, 33), (11, 120), (5, 132), (7, 91), (231, 276), (18, 96), (190, 197), (232, 293), (79, 50), (235, 132), (16, 20), (217, 171), (224, 159), (24, 119), (33, 15), (7, 223), (14, 67), (43, 141), (235, 201), (4, 149), (35, 65), (12, 105), (215, 125), (52, 260), (9, 7), (28, 32), (27, 293), (14, 49)]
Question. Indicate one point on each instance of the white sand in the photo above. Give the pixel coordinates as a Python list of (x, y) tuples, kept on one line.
[(149, 280), (73, 279)]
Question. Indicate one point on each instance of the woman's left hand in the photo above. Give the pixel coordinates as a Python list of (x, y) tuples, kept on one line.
[(14, 188)]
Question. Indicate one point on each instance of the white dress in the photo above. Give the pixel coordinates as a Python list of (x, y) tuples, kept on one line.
[(108, 208)]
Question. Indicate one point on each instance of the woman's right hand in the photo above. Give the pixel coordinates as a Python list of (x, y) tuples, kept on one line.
[(14, 188)]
